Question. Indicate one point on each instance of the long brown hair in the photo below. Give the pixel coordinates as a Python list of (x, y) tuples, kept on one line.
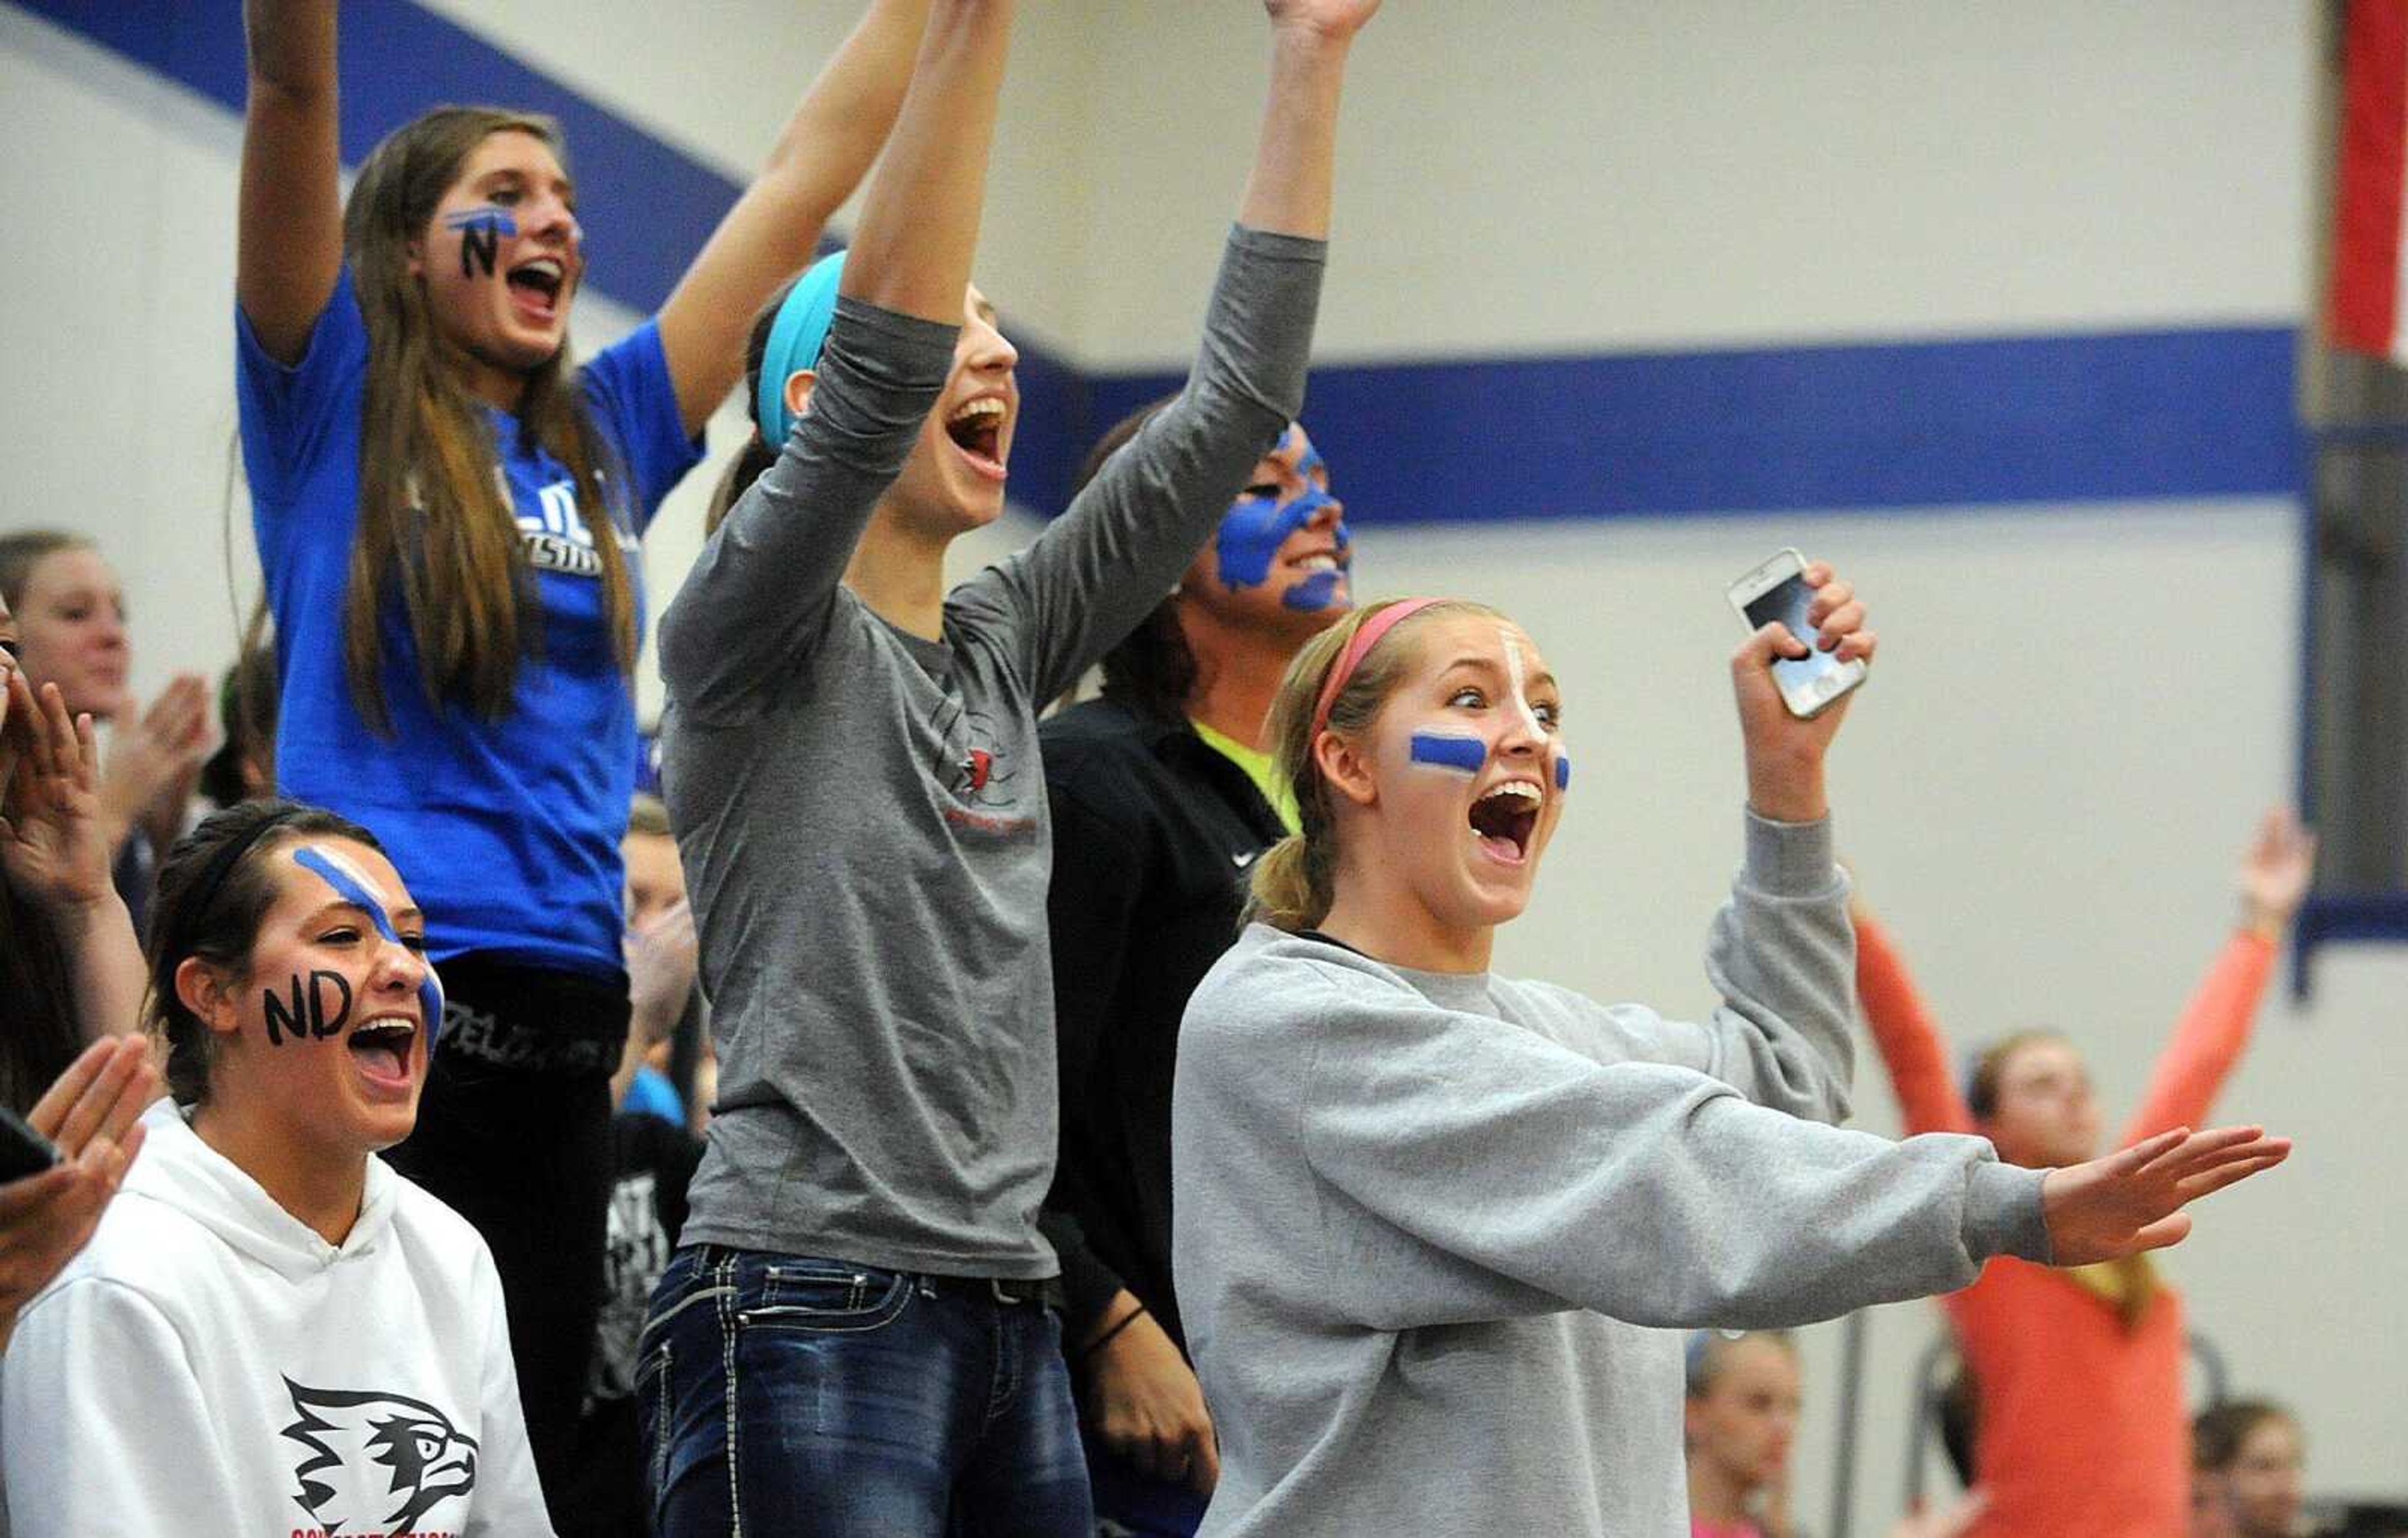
[(1297, 878), (435, 521)]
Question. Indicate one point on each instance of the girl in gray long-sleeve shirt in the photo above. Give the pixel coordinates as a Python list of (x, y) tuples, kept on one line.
[(1430, 1223), (851, 1337)]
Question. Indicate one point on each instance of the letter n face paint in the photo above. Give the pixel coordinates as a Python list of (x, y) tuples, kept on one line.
[(352, 886), (482, 229), (1254, 528)]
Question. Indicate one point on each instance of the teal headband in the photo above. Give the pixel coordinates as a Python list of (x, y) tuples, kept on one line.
[(795, 341)]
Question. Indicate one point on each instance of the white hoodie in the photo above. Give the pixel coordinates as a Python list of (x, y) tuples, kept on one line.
[(210, 1364)]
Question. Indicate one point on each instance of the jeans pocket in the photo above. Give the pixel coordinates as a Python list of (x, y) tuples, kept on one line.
[(823, 1296)]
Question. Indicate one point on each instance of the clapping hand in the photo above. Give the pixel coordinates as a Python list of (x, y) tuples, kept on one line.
[(91, 1114), (52, 841)]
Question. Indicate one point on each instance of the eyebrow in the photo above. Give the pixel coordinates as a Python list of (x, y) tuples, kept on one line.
[(560, 184), (338, 904)]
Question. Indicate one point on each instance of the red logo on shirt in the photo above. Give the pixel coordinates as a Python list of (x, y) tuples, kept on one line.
[(981, 763)]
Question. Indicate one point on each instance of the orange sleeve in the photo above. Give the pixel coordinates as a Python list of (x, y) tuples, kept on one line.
[(1907, 1036), (2207, 1040)]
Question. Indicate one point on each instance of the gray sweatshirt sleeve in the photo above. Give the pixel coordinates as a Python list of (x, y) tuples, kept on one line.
[(1104, 564), (1782, 956), (760, 595), (1475, 1170)]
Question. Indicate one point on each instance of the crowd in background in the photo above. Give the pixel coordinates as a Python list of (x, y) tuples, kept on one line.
[(425, 1127)]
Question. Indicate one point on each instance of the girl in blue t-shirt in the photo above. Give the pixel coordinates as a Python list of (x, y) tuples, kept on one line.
[(446, 510)]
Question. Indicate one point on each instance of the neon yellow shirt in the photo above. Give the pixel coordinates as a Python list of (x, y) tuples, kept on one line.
[(1258, 767)]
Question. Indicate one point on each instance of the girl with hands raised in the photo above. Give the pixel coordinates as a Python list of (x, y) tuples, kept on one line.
[(2078, 1374), (1415, 1198), (843, 723), (447, 506)]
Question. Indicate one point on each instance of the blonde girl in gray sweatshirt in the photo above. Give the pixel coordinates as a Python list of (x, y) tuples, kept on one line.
[(1435, 1228)]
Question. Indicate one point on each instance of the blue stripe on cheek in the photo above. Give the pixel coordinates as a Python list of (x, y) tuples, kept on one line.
[(1563, 770), (1467, 754), (430, 991), (1317, 592)]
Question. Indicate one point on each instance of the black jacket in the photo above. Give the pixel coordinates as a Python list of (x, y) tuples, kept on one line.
[(1154, 832)]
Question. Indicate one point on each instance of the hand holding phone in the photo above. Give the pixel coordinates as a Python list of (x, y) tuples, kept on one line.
[(1806, 652), (1778, 589), (22, 1150)]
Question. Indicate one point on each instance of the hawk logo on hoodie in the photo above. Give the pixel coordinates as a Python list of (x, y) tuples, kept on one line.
[(378, 1461)]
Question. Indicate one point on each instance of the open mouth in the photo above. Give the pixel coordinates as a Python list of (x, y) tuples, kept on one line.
[(535, 285), (1504, 817), (977, 430), (383, 1047)]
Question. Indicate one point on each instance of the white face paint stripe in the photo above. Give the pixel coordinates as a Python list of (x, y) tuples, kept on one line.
[(1521, 694)]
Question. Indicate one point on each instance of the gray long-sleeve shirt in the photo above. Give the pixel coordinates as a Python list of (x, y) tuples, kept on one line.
[(861, 813), (1429, 1230)]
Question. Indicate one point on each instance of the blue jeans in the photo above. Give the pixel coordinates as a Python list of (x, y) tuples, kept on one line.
[(780, 1395)]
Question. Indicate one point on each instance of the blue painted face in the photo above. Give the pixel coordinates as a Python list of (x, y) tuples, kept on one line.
[(353, 889), (1254, 528)]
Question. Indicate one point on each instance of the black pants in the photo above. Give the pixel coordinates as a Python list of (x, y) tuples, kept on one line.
[(514, 1134)]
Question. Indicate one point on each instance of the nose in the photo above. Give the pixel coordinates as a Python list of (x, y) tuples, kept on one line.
[(399, 968), (109, 628), (991, 350), (550, 219), (1327, 515)]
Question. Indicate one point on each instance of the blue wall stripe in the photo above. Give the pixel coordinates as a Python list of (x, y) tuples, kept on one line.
[(2170, 413)]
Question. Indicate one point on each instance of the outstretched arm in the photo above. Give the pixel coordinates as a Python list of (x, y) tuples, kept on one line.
[(289, 229), (2215, 1027), (823, 154)]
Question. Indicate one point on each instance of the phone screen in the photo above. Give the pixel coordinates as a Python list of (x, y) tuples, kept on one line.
[(1787, 603)]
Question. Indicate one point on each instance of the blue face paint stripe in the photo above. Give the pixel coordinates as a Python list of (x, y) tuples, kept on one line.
[(430, 991), (1467, 754), (1316, 591), (1254, 528), (1563, 770)]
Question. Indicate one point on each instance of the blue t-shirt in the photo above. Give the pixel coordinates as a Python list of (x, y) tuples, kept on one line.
[(507, 831)]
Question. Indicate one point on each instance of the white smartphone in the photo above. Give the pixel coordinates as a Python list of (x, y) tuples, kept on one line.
[(1777, 590)]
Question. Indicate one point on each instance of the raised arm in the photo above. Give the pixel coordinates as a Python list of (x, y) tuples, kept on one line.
[(289, 229), (1906, 1036), (767, 581), (826, 148), (1095, 571), (1779, 952), (2216, 1026)]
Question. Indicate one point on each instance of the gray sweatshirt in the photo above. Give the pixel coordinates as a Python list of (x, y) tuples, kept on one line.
[(861, 813), (1432, 1232)]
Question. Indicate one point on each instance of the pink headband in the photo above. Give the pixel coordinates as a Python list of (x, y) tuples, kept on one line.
[(1367, 635)]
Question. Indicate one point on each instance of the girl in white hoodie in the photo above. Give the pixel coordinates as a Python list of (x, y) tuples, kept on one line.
[(271, 1333)]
